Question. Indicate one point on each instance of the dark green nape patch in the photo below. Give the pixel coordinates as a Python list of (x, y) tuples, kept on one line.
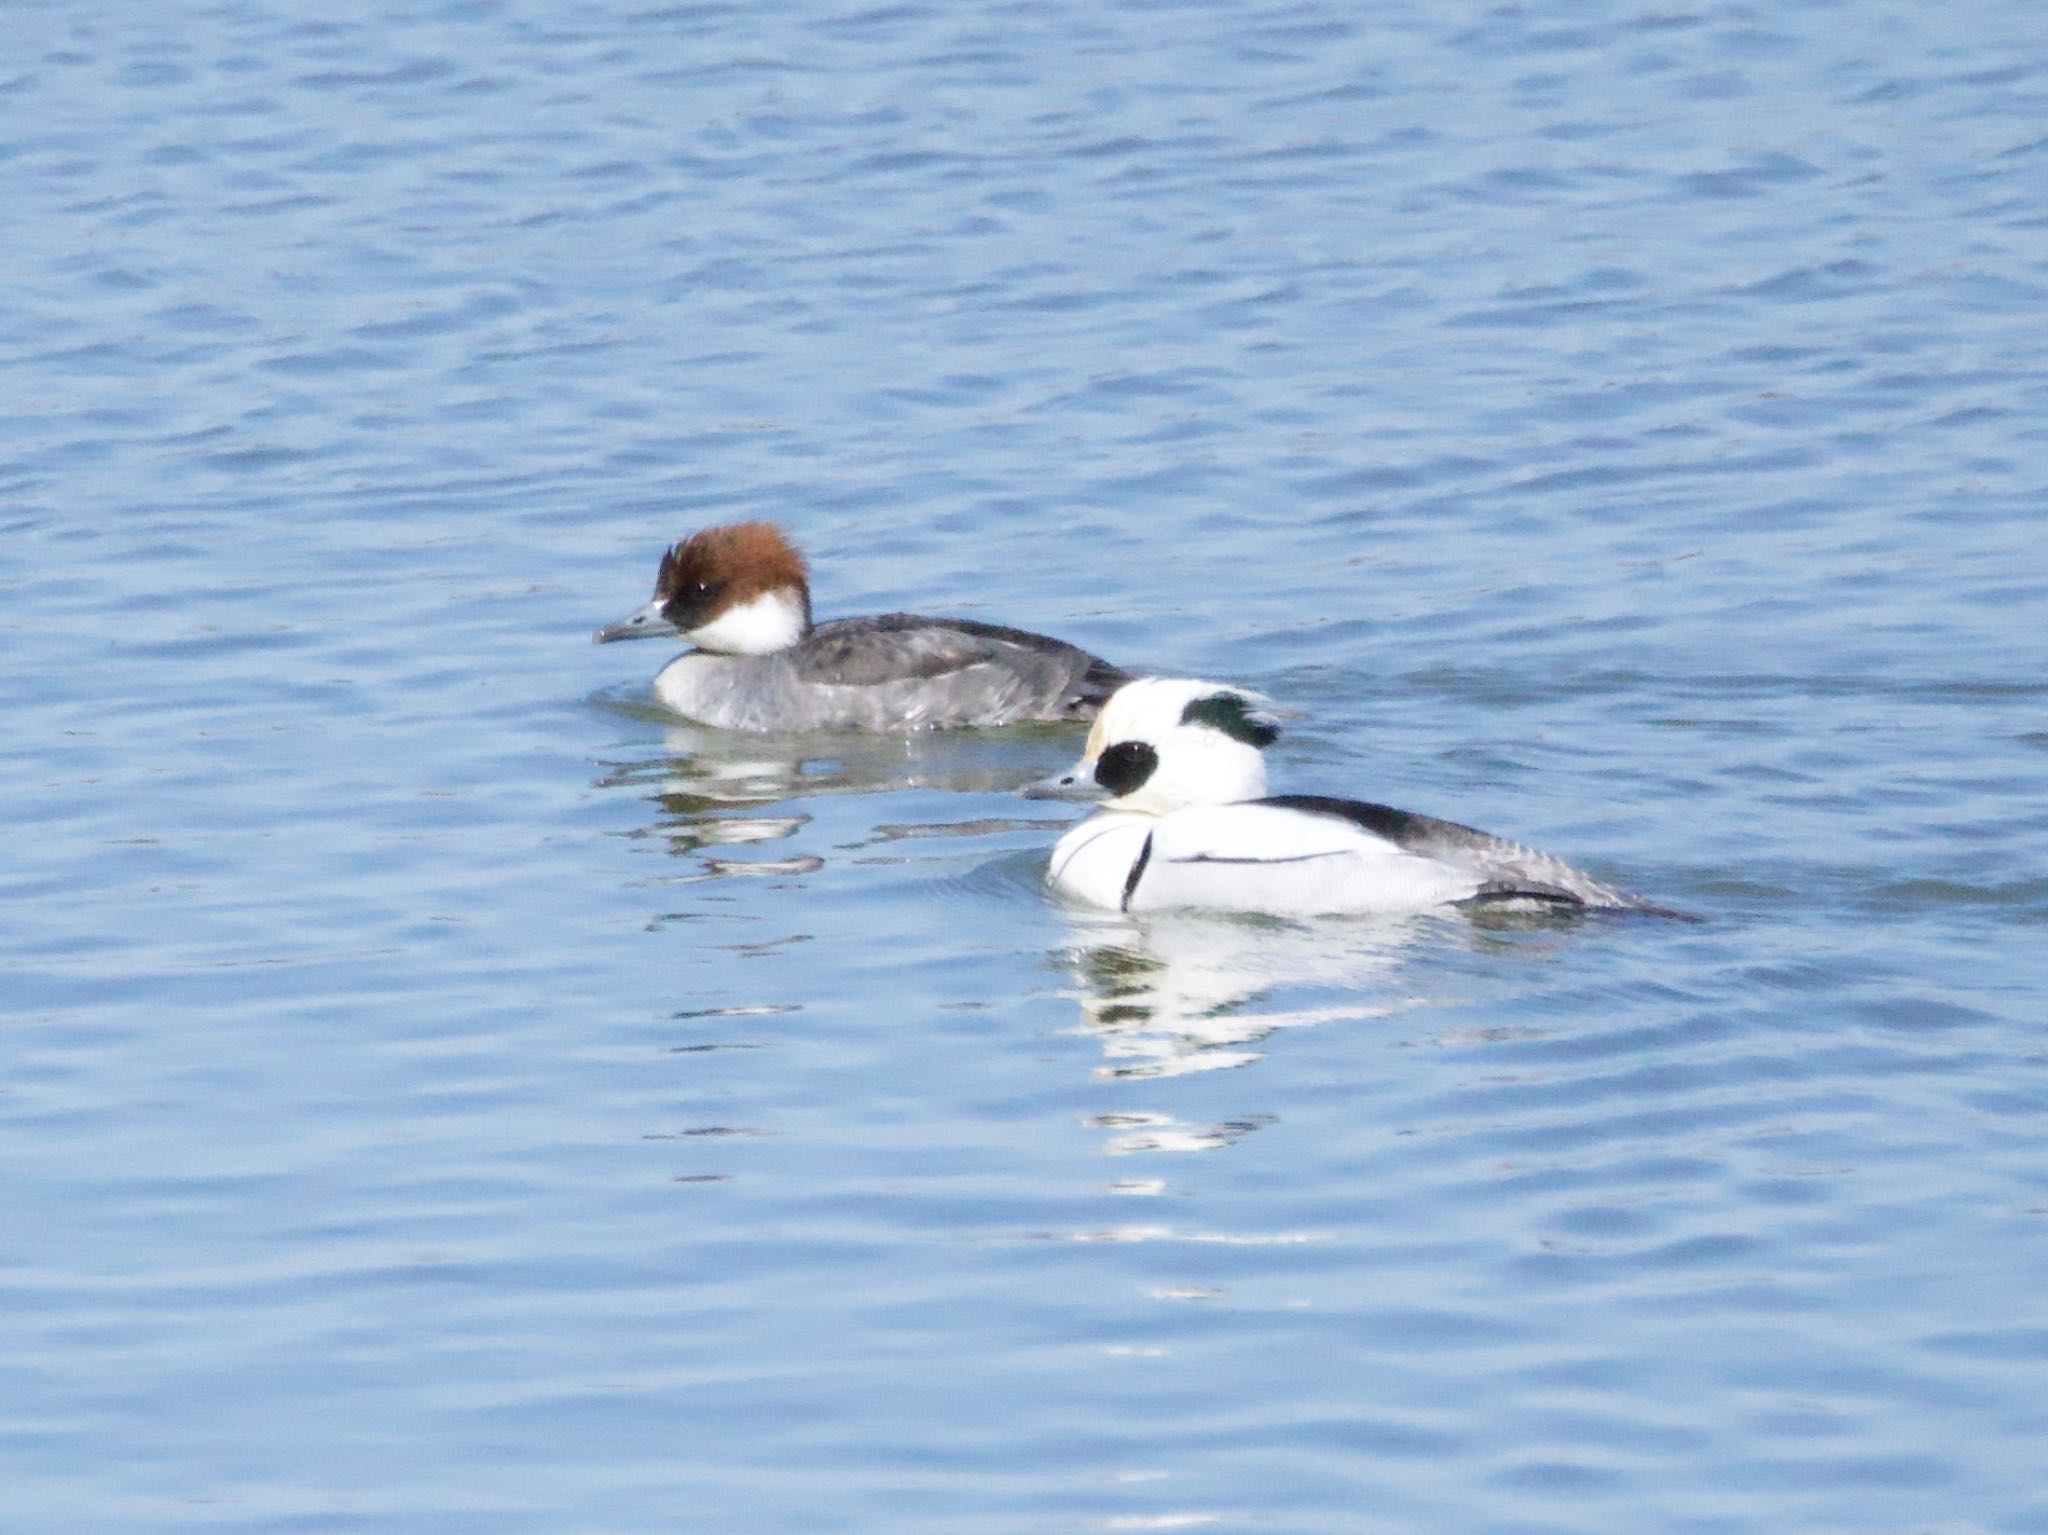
[(1124, 766), (1232, 713)]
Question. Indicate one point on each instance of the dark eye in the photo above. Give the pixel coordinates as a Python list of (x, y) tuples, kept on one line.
[(693, 595)]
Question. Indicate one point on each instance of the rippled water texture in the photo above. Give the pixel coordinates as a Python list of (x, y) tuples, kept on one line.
[(439, 1093)]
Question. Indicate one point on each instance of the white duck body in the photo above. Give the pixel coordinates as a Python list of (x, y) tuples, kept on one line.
[(1258, 855), (1189, 825)]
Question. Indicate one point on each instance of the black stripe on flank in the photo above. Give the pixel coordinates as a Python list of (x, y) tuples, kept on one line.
[(1137, 871), (1402, 827), (1499, 894), (1293, 858)]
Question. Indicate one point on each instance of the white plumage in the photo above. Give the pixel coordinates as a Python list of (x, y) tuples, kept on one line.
[(1187, 824)]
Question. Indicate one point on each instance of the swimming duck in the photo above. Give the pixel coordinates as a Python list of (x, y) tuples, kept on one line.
[(741, 595), (1180, 768)]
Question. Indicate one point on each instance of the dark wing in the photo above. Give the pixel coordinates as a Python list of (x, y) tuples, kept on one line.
[(1089, 691), (1508, 871), (866, 652), (902, 647)]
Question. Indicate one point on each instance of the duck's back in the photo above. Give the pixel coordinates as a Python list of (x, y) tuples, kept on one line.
[(893, 672), (1502, 870), (1263, 856), (901, 670), (1304, 855)]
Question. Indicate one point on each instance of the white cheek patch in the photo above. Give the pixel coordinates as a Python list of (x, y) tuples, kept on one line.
[(757, 627), (1095, 742)]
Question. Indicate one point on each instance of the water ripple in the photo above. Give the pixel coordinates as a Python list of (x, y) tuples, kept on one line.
[(444, 1091)]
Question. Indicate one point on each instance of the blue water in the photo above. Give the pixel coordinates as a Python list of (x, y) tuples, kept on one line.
[(439, 1094)]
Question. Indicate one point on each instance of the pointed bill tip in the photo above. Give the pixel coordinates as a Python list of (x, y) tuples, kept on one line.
[(1072, 784), (641, 624)]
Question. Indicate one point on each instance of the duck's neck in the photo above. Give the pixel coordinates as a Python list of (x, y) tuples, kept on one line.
[(760, 626)]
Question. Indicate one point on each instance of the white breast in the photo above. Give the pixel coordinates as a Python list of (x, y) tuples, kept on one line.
[(1092, 861), (733, 692)]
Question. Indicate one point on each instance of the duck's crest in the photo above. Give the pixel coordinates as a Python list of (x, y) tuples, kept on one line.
[(746, 558)]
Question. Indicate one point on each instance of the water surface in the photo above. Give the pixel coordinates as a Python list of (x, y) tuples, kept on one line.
[(440, 1093)]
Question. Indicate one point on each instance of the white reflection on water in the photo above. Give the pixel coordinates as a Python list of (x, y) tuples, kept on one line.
[(1186, 992)]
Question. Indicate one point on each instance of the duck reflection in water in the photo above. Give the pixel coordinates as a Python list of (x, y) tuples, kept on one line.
[(706, 781), (1173, 993), (1192, 991)]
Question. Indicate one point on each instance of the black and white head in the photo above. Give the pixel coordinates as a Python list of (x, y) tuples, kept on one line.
[(1163, 743)]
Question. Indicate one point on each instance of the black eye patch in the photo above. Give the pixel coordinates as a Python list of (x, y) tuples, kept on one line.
[(1124, 766), (691, 603), (1232, 714)]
